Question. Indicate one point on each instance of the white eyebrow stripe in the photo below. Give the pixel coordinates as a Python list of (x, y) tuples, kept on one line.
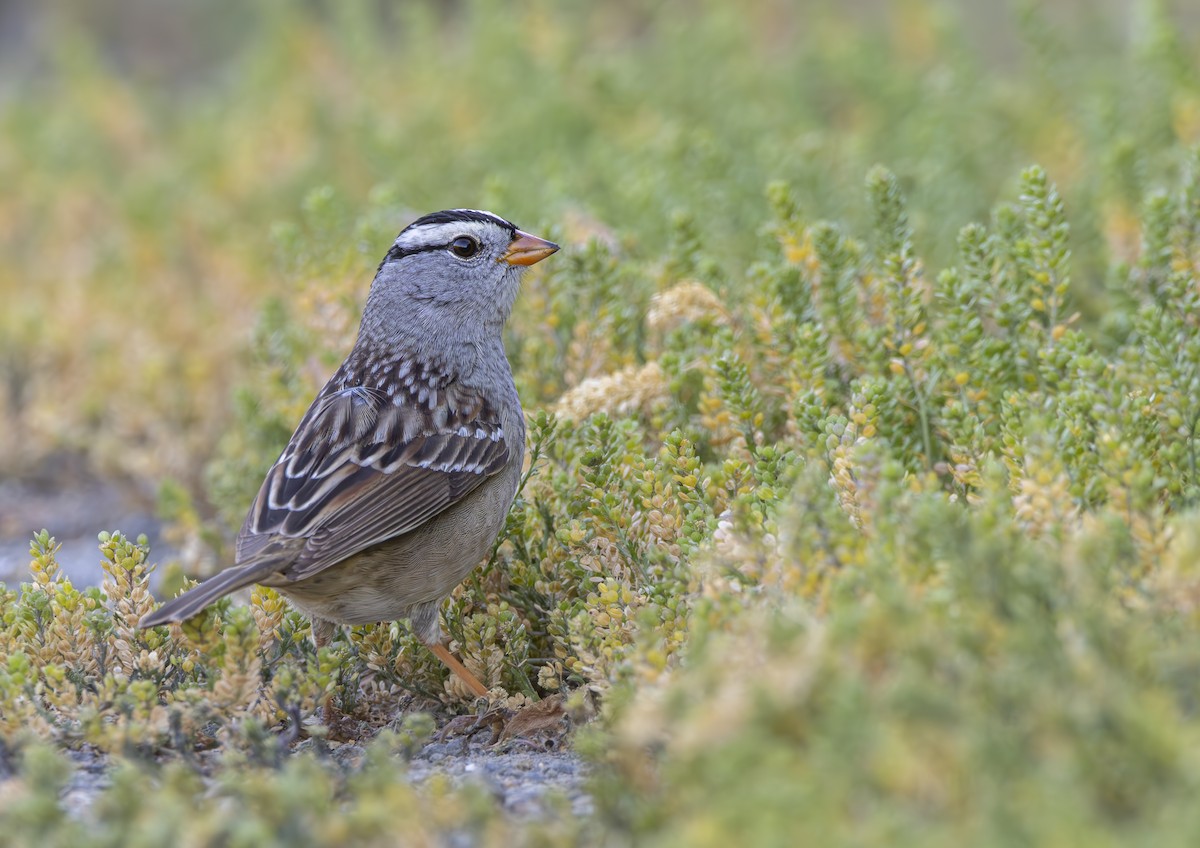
[(438, 234)]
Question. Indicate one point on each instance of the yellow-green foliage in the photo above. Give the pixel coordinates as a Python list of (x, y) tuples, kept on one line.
[(301, 802), (137, 219), (867, 524), (77, 669), (973, 619)]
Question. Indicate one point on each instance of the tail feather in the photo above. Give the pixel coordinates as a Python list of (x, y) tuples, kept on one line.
[(216, 587)]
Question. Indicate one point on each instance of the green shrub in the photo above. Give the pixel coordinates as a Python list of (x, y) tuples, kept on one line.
[(864, 523)]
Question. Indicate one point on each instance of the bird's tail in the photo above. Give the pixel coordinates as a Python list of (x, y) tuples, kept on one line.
[(194, 600)]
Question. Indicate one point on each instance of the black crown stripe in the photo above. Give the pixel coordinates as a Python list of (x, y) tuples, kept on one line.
[(453, 216)]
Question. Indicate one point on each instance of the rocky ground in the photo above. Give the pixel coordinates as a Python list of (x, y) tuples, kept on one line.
[(526, 784)]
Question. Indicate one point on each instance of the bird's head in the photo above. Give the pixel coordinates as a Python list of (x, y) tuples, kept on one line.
[(452, 272)]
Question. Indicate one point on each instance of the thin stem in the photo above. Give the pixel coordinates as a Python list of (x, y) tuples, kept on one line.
[(923, 413)]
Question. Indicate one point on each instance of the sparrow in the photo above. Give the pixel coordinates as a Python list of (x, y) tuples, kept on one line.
[(399, 476)]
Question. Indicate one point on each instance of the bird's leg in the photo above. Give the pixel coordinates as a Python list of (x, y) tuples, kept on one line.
[(322, 633), (424, 621), (443, 653)]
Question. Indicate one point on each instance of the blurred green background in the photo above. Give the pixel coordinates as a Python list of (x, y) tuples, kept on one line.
[(155, 156)]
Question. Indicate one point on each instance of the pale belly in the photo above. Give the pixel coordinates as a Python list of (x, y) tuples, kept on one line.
[(386, 582)]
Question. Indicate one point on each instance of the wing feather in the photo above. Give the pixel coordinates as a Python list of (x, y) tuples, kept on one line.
[(367, 465)]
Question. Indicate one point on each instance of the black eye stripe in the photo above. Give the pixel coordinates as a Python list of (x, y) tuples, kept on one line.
[(397, 252)]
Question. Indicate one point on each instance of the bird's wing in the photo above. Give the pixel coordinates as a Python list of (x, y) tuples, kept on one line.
[(363, 468)]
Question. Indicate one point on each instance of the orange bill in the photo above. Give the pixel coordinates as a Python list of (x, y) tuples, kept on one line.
[(526, 249)]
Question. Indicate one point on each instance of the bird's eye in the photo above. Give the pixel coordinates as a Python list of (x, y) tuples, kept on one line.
[(464, 247)]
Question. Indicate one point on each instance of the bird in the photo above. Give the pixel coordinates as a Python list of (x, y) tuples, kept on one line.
[(399, 477)]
